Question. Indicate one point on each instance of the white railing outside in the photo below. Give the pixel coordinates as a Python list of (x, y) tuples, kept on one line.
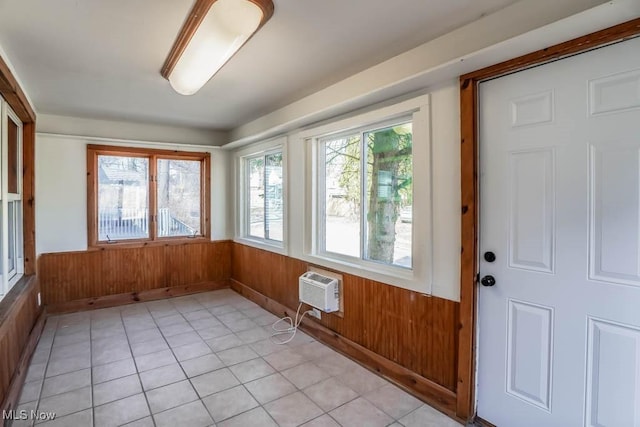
[(121, 224)]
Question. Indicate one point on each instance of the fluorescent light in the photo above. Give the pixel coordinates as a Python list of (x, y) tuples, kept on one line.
[(212, 34)]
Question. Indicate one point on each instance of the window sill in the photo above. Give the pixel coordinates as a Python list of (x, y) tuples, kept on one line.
[(167, 241), (394, 276), (261, 244)]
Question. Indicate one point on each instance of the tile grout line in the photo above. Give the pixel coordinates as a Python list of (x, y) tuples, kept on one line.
[(259, 357), (135, 364)]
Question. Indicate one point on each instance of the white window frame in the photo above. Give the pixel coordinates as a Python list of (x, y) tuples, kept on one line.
[(419, 277), (261, 149), (9, 278)]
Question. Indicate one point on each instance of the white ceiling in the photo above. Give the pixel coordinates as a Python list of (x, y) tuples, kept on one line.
[(102, 58)]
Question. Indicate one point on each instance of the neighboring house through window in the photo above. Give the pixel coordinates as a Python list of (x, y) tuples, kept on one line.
[(139, 194)]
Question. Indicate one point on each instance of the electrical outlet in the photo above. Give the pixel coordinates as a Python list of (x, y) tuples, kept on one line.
[(315, 313)]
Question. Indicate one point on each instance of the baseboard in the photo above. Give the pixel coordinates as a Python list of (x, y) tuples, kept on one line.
[(426, 390), (134, 297), (482, 423), (19, 375)]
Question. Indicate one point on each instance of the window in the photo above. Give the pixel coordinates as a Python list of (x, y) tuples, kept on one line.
[(146, 195), (11, 243), (366, 197), (365, 194), (263, 197)]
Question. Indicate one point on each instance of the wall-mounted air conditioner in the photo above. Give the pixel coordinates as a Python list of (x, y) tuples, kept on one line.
[(319, 291)]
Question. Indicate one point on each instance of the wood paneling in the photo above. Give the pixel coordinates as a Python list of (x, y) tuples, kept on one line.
[(134, 297), (70, 276), (427, 390), (19, 312), (412, 330), (469, 178)]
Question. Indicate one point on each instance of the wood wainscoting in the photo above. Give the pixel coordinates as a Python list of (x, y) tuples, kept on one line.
[(82, 280), (21, 322), (409, 337)]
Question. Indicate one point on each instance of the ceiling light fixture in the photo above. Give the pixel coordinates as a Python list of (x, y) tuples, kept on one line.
[(211, 35)]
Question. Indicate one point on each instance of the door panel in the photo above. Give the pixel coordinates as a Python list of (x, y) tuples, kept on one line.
[(532, 210), (529, 353), (613, 369), (559, 333)]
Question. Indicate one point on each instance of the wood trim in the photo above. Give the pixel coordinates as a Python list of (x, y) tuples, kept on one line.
[(135, 297), (483, 423), (11, 91), (153, 199), (118, 150), (627, 30), (13, 94), (194, 19), (28, 197), (469, 177), (93, 151), (424, 389), (469, 254), (13, 395)]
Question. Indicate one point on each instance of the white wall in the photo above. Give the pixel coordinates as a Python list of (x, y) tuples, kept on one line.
[(61, 190), (523, 27), (119, 130)]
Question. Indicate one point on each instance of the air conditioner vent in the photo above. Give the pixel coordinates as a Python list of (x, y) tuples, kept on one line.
[(319, 291)]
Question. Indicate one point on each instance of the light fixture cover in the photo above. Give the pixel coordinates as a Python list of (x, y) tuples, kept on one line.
[(221, 32)]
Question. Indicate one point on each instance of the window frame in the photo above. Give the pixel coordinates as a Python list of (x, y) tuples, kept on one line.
[(11, 277), (247, 206), (260, 149), (94, 151), (420, 277), (321, 180)]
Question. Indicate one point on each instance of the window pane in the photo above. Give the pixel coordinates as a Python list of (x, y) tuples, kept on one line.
[(13, 157), (123, 198), (273, 197), (11, 250), (255, 216), (342, 196), (389, 195), (179, 197)]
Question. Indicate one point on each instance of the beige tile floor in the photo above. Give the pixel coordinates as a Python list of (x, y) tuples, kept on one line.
[(203, 360)]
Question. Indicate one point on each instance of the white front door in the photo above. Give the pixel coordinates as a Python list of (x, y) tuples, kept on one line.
[(559, 332)]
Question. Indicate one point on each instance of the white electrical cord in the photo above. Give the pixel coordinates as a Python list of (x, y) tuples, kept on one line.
[(291, 329)]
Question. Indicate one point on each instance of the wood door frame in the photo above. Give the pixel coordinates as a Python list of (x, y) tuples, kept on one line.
[(470, 195)]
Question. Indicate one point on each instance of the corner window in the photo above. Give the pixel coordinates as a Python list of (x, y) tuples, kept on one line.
[(365, 194), (142, 195), (263, 196)]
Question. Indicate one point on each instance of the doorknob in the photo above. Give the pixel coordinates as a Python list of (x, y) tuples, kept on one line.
[(488, 280)]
